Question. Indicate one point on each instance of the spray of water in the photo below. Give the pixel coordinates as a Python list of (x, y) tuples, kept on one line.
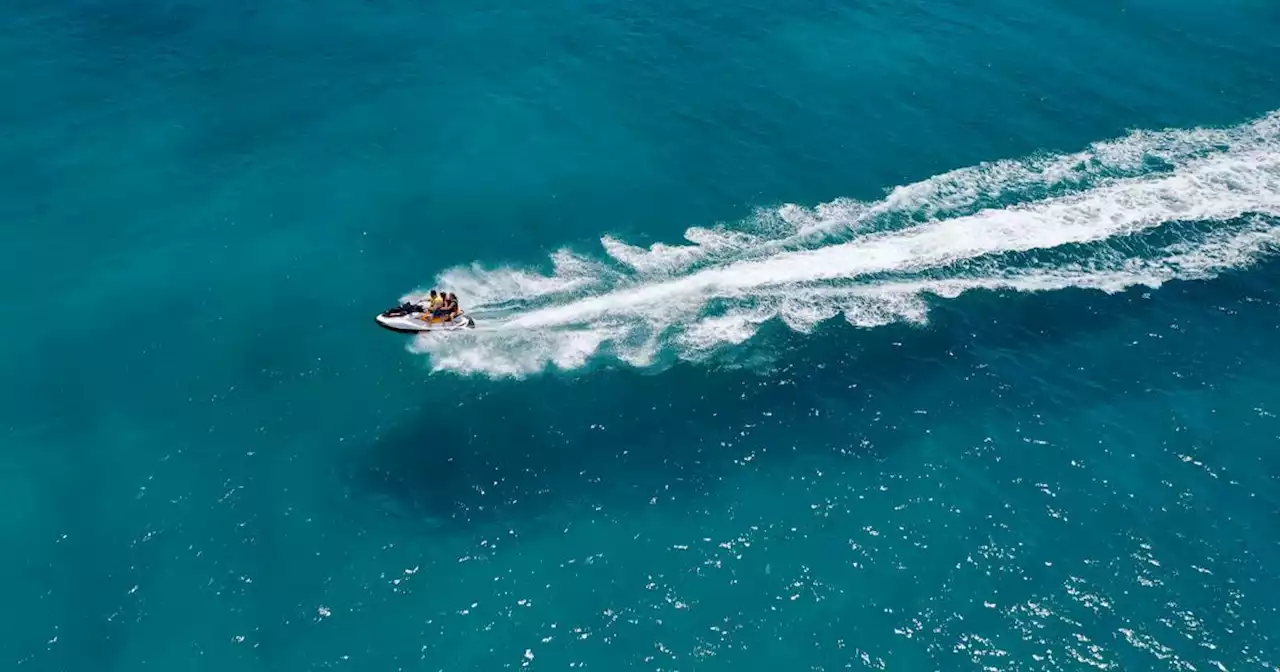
[(1140, 210)]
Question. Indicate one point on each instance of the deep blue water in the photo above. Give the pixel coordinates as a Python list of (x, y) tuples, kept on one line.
[(931, 336)]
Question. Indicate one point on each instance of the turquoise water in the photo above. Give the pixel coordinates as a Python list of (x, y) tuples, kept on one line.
[(923, 336)]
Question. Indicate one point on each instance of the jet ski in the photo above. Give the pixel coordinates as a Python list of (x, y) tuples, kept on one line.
[(412, 318)]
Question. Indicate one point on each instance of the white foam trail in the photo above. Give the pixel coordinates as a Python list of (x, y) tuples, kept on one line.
[(860, 260), (1203, 193), (950, 193), (891, 301)]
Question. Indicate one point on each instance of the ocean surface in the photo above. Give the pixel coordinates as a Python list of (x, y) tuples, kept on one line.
[(917, 335)]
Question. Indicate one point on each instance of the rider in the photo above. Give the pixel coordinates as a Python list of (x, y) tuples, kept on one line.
[(432, 308), (434, 300), (443, 307), (450, 306)]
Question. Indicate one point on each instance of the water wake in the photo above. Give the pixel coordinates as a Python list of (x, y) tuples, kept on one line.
[(1141, 210)]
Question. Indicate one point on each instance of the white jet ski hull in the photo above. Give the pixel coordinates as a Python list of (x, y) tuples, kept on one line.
[(412, 323)]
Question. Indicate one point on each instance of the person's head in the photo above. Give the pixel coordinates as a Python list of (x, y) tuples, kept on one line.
[(433, 293), (453, 297)]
